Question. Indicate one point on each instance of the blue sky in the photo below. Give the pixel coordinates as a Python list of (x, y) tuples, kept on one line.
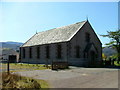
[(20, 20)]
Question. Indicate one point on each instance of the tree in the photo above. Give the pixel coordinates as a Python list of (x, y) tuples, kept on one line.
[(104, 56), (115, 41)]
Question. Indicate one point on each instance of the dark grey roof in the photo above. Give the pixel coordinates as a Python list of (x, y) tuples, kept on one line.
[(60, 34)]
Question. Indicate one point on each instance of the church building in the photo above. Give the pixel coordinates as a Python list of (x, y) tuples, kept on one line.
[(76, 44)]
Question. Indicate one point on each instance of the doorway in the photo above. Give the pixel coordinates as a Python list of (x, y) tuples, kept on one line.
[(92, 59)]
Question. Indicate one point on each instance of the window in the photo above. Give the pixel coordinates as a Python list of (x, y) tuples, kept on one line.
[(30, 52), (47, 52), (23, 52), (20, 54), (38, 52), (77, 51), (87, 37), (58, 51)]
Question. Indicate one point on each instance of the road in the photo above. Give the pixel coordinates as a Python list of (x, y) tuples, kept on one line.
[(77, 77)]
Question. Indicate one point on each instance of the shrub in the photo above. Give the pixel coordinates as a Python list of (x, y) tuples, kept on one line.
[(16, 81)]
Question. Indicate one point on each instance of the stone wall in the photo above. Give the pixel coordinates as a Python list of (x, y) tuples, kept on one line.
[(43, 59)]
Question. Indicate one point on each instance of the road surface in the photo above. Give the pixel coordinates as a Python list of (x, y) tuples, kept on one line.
[(77, 77)]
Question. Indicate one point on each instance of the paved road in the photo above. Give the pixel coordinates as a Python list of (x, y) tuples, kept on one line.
[(77, 77)]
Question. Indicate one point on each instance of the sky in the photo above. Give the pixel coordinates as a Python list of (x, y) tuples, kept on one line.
[(19, 21)]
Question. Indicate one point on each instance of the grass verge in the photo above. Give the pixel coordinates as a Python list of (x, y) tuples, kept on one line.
[(15, 67)]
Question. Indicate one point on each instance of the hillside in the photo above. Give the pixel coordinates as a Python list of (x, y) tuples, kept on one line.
[(109, 51), (11, 45)]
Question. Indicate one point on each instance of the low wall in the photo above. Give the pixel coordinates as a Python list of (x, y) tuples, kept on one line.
[(78, 62), (71, 61)]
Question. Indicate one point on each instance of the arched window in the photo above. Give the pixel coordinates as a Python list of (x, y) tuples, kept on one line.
[(30, 52), (59, 51), (77, 51), (87, 37), (47, 52), (38, 52)]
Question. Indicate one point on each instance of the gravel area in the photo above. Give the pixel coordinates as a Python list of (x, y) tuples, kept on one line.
[(77, 77)]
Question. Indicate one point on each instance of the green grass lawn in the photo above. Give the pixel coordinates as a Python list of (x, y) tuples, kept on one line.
[(14, 67)]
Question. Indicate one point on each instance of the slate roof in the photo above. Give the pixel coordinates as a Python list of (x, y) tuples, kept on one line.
[(55, 35)]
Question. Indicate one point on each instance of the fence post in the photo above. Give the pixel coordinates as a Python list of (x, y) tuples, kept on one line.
[(8, 67)]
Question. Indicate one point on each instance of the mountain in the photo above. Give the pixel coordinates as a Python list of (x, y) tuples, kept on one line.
[(11, 42), (11, 45), (109, 51)]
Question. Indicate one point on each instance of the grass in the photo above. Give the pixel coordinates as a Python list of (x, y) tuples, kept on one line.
[(15, 67), (17, 81)]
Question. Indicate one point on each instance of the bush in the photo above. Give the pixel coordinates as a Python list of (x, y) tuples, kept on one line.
[(16, 81)]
